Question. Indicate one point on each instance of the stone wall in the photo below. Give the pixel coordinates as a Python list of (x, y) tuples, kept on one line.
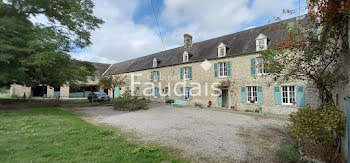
[(241, 76)]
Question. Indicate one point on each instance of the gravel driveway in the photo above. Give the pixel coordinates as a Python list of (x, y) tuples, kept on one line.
[(200, 135)]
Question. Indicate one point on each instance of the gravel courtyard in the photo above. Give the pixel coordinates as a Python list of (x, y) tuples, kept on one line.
[(200, 135)]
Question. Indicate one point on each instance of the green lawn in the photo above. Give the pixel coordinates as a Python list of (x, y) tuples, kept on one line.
[(53, 135)]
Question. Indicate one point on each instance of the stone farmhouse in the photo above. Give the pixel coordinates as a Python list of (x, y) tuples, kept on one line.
[(187, 74)]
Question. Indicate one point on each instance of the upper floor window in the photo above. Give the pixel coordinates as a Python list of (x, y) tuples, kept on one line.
[(185, 57), (155, 62), (186, 73), (155, 75), (260, 63), (221, 50), (222, 69), (261, 42), (288, 95)]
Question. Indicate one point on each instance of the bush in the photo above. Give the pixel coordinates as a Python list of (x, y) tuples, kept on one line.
[(127, 102), (170, 101), (322, 127)]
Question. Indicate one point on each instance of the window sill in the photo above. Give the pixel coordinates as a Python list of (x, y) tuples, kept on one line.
[(223, 76)]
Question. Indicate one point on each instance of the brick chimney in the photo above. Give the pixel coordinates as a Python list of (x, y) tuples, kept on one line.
[(187, 40)]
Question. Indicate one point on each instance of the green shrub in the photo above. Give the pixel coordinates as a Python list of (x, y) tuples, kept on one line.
[(170, 101), (322, 127), (127, 102), (248, 110)]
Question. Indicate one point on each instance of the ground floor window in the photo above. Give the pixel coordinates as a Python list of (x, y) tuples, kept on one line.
[(155, 92), (187, 92), (288, 95), (252, 96)]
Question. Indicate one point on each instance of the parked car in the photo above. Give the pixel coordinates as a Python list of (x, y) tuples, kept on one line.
[(98, 96)]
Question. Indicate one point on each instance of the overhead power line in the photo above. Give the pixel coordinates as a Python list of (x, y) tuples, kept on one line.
[(160, 33)]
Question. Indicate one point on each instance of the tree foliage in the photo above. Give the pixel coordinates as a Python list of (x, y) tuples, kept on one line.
[(315, 47), (111, 82), (33, 54)]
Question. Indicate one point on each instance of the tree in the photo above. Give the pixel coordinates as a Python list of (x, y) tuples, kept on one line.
[(33, 54), (111, 82), (315, 48)]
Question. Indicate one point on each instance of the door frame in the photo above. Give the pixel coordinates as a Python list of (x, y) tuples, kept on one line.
[(220, 97)]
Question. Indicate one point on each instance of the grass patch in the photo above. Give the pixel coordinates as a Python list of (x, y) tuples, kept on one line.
[(52, 135), (289, 151)]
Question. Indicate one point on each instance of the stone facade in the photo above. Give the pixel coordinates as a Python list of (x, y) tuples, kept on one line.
[(241, 76)]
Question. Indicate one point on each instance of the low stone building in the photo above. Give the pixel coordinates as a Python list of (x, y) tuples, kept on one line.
[(231, 62), (64, 92)]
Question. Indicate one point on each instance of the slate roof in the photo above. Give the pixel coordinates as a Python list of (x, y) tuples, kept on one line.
[(100, 68), (239, 43)]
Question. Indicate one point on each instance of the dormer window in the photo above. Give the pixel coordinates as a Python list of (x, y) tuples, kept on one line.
[(221, 50), (261, 42), (185, 57), (155, 62)]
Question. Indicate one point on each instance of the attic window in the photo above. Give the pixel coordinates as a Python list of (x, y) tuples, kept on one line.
[(261, 42), (155, 62), (221, 50), (185, 57)]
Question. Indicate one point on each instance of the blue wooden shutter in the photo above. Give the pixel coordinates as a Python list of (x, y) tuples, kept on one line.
[(181, 73), (243, 95), (229, 71), (260, 95), (252, 66), (158, 74), (158, 95), (190, 97), (215, 70), (190, 72), (182, 93), (277, 95), (152, 92), (151, 76), (300, 96)]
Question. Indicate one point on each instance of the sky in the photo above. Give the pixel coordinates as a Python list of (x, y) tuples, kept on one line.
[(130, 29)]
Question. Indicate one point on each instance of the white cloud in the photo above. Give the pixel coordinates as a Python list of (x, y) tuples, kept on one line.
[(120, 38)]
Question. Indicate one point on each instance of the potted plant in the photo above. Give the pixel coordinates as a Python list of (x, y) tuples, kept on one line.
[(209, 104), (294, 102)]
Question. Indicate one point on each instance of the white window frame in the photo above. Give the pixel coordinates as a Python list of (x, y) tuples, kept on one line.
[(287, 93), (185, 57), (186, 74), (155, 62), (221, 50), (261, 44), (222, 69), (187, 93), (252, 92), (155, 92), (260, 67), (155, 75)]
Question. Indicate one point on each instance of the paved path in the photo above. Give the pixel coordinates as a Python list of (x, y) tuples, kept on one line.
[(200, 135)]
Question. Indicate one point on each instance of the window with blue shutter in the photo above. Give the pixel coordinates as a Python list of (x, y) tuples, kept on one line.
[(215, 70), (243, 95), (260, 95), (182, 93), (229, 70), (190, 73), (181, 73), (158, 95), (277, 95), (252, 66), (158, 76), (300, 96), (190, 94)]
